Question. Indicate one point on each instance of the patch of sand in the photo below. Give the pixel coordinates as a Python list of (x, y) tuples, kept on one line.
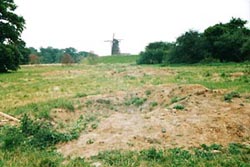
[(206, 119)]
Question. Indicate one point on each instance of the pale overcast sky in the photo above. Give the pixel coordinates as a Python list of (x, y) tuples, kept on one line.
[(86, 24)]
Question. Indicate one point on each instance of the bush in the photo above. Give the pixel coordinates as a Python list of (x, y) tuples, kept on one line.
[(11, 137), (151, 57), (152, 154), (135, 101), (155, 53), (179, 107), (37, 134), (228, 97)]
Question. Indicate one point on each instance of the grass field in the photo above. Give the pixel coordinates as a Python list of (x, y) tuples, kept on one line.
[(41, 91)]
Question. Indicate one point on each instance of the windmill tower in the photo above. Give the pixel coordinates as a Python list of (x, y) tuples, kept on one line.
[(115, 49)]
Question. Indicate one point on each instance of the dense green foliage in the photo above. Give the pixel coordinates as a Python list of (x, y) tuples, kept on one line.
[(38, 133), (226, 42), (229, 42), (52, 55), (12, 48), (189, 48), (154, 53)]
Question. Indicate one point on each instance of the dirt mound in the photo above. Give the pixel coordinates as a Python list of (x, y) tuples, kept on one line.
[(163, 116)]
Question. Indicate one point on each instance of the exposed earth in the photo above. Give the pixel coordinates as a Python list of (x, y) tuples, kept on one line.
[(163, 116)]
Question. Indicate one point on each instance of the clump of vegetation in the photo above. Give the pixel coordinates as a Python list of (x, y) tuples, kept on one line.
[(174, 100), (135, 101), (103, 101), (90, 141), (153, 104), (207, 74), (88, 103), (94, 125), (152, 154), (79, 95), (179, 107), (224, 75), (155, 53), (148, 92), (38, 134), (177, 99), (228, 97)]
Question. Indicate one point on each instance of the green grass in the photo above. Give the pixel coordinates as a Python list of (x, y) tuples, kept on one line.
[(43, 109), (131, 59), (37, 90), (35, 84), (198, 74), (213, 155)]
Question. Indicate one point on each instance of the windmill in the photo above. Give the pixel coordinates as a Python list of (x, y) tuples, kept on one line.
[(115, 49)]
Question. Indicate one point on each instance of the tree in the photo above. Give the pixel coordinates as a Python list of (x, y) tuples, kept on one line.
[(73, 53), (25, 52), (245, 50), (50, 55), (33, 59), (67, 59), (226, 40), (154, 53), (189, 48), (11, 27)]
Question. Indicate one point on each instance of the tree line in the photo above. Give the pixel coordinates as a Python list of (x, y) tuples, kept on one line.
[(52, 55), (228, 42)]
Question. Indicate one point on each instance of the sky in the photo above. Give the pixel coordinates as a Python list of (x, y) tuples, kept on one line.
[(86, 24)]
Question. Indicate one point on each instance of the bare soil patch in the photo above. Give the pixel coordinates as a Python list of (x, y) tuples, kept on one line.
[(205, 119)]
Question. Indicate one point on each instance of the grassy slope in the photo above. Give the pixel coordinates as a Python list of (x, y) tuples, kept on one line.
[(47, 86), (118, 59)]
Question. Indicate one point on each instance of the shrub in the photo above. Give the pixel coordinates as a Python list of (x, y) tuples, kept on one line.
[(148, 92), (79, 95), (103, 101), (152, 154), (155, 53), (151, 57), (38, 134), (135, 101), (11, 137), (179, 107), (153, 104), (228, 97)]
